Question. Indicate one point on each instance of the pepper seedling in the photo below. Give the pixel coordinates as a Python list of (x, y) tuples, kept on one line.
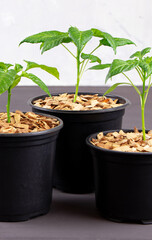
[(51, 39), (143, 66), (10, 76)]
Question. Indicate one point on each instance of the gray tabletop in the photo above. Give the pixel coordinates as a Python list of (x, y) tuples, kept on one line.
[(74, 217)]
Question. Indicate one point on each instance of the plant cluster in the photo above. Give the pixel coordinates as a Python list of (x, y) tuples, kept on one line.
[(51, 39), (143, 66), (10, 76)]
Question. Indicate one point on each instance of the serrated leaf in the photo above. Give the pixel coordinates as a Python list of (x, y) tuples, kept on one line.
[(6, 80), (43, 36), (18, 67), (37, 81), (54, 42), (100, 66), (53, 71), (48, 39), (145, 51), (120, 66), (91, 57), (106, 36), (113, 87), (16, 81), (80, 38), (118, 41)]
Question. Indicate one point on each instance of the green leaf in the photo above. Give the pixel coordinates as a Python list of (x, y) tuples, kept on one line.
[(80, 38), (5, 66), (114, 86), (8, 65), (144, 66), (48, 39), (106, 36), (136, 54), (145, 51), (53, 71), (6, 80), (91, 57), (43, 36), (41, 46), (120, 66), (16, 81), (55, 41), (148, 59), (140, 54), (38, 81), (118, 41), (150, 66), (100, 66), (18, 67)]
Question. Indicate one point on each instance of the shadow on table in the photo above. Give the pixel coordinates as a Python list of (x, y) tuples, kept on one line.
[(74, 205)]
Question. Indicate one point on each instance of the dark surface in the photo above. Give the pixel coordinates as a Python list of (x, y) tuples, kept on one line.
[(74, 217)]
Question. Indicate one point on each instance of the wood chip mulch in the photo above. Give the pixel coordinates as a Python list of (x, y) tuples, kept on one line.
[(125, 142), (84, 102), (26, 123)]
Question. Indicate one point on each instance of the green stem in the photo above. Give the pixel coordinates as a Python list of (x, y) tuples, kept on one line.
[(143, 109), (8, 105), (68, 50), (78, 76), (139, 72), (149, 85), (143, 120), (83, 68), (82, 64), (136, 89)]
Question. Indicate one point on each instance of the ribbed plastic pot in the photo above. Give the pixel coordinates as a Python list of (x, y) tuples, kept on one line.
[(26, 173), (73, 165), (123, 184)]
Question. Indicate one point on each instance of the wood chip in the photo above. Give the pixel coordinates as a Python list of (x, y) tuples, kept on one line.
[(125, 142), (26, 122), (83, 102)]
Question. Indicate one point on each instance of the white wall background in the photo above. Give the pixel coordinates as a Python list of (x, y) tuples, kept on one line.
[(21, 18)]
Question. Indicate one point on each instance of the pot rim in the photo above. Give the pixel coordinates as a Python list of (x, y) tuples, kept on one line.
[(88, 139), (32, 134), (127, 102)]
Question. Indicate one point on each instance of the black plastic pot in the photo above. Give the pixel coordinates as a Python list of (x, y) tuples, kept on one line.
[(123, 184), (73, 165), (26, 168)]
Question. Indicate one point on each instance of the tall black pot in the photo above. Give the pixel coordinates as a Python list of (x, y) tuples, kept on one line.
[(26, 168), (123, 183), (73, 165)]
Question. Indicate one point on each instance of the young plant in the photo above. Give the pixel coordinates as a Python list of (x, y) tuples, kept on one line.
[(143, 66), (9, 78), (51, 39)]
